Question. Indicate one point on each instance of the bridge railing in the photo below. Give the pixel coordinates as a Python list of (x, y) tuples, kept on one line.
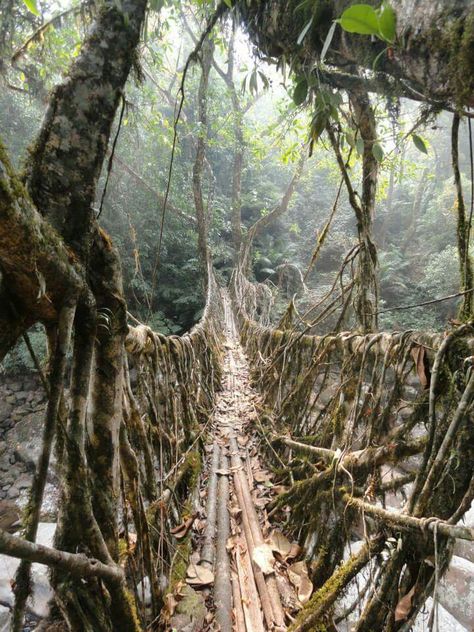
[(377, 430), (170, 387)]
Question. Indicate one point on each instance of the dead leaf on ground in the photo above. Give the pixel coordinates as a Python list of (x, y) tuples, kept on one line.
[(279, 489), (235, 511), (403, 608), (283, 547), (199, 575), (232, 542), (262, 555), (170, 606), (243, 440), (262, 476), (223, 472), (182, 529), (298, 576)]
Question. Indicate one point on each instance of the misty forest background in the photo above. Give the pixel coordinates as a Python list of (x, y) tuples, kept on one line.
[(415, 220)]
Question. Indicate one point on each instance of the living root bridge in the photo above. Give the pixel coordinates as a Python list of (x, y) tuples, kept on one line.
[(364, 421), (167, 394)]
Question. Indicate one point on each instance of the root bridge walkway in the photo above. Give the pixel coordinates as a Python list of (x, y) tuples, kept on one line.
[(243, 572)]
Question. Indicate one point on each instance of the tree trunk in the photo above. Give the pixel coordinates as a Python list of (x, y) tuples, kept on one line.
[(463, 228), (44, 260), (202, 221), (432, 52), (237, 164)]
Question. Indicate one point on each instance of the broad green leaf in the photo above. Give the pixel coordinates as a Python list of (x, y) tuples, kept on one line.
[(253, 86), (419, 143), (228, 3), (327, 41), (156, 5), (360, 146), (265, 81), (377, 152), (301, 92), (303, 33), (387, 23), (32, 6), (360, 18), (318, 124), (350, 139)]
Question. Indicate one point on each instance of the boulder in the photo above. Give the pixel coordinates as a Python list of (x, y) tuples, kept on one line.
[(5, 409), (4, 619), (42, 592), (456, 591), (447, 623), (25, 438)]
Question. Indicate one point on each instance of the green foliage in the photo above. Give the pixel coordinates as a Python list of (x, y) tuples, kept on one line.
[(419, 143), (301, 92), (32, 6), (365, 20), (377, 152)]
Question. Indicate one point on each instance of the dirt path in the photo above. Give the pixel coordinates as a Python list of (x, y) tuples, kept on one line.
[(245, 569)]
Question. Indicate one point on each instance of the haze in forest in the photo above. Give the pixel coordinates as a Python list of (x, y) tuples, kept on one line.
[(236, 315)]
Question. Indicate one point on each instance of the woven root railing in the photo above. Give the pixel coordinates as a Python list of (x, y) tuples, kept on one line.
[(115, 557), (170, 392), (377, 431)]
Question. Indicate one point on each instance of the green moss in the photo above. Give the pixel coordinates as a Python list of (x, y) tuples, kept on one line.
[(179, 565), (323, 599), (131, 607)]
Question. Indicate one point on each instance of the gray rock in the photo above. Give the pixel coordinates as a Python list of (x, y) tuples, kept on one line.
[(5, 463), (5, 409), (26, 438), (42, 592), (456, 591), (4, 619), (23, 482)]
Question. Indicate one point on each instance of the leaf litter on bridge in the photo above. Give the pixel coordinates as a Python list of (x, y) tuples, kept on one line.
[(265, 580)]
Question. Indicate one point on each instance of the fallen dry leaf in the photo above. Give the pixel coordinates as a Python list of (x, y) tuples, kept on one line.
[(283, 547), (422, 366), (279, 489), (199, 575), (298, 576), (182, 529), (262, 555), (262, 476), (403, 608), (170, 606), (235, 511)]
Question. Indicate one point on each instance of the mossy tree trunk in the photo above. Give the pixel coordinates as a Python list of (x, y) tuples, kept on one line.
[(366, 297), (463, 228), (51, 248), (207, 54), (432, 54)]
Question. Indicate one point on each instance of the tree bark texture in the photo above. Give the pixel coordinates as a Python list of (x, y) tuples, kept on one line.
[(433, 51), (201, 215)]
